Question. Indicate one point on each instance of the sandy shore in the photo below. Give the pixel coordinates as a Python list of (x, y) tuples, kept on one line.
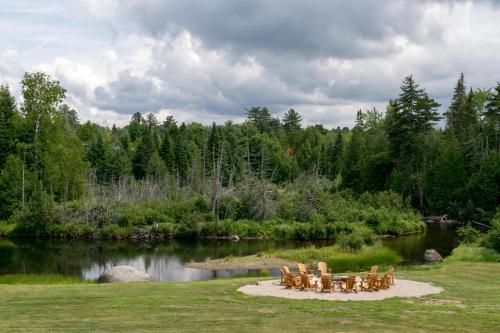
[(402, 288), (249, 262)]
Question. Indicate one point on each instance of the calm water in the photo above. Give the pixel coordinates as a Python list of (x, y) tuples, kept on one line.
[(165, 261)]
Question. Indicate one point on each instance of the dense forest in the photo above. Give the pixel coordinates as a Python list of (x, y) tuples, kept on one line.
[(265, 177)]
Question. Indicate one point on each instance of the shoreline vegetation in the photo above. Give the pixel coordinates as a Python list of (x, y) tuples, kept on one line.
[(352, 221)]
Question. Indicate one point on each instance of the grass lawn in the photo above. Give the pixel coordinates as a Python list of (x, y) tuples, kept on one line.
[(470, 303)]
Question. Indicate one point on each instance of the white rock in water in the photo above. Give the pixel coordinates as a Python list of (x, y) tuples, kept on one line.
[(123, 274)]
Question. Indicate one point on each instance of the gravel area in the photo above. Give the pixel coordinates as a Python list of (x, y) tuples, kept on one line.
[(402, 288)]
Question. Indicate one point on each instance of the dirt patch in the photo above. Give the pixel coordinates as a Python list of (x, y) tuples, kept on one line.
[(458, 304), (249, 262)]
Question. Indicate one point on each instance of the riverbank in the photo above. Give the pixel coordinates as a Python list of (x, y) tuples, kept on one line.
[(334, 256), (469, 303)]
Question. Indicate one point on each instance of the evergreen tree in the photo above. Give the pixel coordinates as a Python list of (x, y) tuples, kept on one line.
[(98, 158), (167, 150), (291, 121), (214, 147), (492, 120), (261, 118), (454, 115), (181, 153), (7, 130), (135, 127), (143, 154), (335, 155)]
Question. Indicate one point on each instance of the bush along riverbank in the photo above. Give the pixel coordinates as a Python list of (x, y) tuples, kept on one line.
[(329, 216), (476, 246)]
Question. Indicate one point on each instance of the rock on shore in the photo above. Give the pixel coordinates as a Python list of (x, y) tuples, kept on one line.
[(432, 255), (121, 274)]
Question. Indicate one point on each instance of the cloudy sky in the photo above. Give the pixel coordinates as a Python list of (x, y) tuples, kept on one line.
[(207, 60)]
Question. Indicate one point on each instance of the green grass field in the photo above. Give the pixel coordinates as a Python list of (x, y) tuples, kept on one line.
[(470, 303)]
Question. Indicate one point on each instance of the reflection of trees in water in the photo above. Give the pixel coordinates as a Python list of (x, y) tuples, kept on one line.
[(74, 257)]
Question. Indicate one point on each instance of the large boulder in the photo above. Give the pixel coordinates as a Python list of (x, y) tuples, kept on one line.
[(123, 274), (432, 255)]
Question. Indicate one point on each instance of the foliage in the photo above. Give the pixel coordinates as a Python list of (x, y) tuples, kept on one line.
[(322, 182), (473, 253), (468, 234)]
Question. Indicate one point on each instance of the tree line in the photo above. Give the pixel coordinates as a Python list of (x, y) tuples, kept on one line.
[(48, 157)]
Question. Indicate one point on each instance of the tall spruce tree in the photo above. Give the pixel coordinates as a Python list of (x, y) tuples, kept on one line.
[(492, 120), (7, 130), (143, 154), (454, 115), (167, 149)]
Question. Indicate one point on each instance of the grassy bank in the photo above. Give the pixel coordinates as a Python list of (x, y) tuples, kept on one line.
[(469, 303), (33, 279), (341, 260), (473, 253)]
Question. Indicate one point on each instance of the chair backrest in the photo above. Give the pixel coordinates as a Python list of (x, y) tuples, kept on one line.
[(390, 271), (302, 268), (374, 269), (322, 268), (286, 269)]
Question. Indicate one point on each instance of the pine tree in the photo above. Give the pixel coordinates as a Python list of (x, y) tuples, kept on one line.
[(261, 118), (7, 135), (136, 126), (335, 155), (143, 155), (181, 153), (98, 158), (454, 115), (492, 119), (167, 150), (291, 121), (214, 145)]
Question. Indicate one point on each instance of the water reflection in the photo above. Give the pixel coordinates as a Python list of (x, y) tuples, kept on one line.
[(166, 261)]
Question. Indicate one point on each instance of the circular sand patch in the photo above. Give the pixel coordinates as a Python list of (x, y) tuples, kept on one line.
[(402, 288)]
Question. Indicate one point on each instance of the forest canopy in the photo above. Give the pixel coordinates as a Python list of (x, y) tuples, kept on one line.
[(265, 168)]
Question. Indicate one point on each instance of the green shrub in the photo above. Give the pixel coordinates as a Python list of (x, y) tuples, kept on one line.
[(36, 217), (468, 234), (473, 253), (168, 230), (492, 238), (6, 229)]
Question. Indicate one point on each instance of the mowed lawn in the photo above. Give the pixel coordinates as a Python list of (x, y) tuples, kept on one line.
[(470, 303)]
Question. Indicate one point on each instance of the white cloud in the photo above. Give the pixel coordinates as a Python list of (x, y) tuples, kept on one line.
[(147, 57)]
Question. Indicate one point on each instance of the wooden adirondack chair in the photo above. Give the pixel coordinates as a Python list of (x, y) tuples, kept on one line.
[(387, 280), (349, 285), (370, 283), (283, 277), (326, 283), (305, 283), (303, 270), (390, 273), (323, 269), (291, 280), (364, 275), (325, 276)]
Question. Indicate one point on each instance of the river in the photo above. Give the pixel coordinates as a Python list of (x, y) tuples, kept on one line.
[(165, 260)]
